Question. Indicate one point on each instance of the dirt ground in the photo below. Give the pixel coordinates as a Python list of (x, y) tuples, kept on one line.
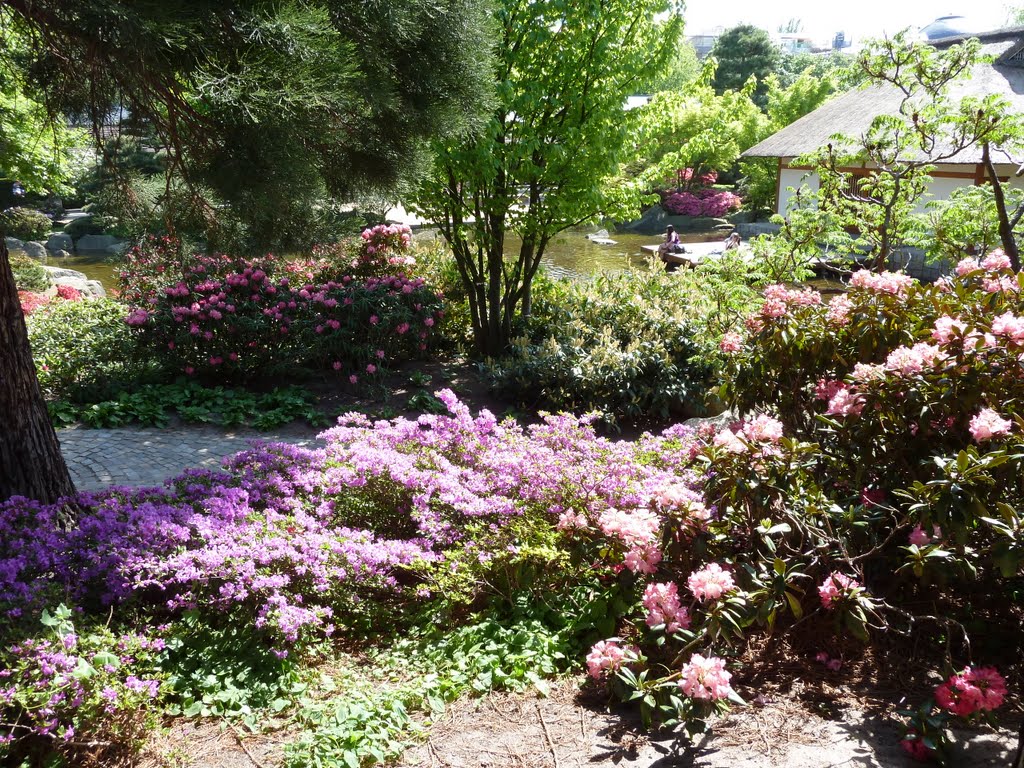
[(568, 729)]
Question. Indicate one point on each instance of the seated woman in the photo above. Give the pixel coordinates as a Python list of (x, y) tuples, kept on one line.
[(671, 244), (732, 242)]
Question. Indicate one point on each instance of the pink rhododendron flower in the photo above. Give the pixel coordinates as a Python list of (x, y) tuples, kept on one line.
[(996, 261), (947, 327), (987, 424), (918, 537), (835, 587), (966, 266), (895, 283), (839, 310), (845, 402), (140, 316), (729, 441), (710, 583), (1009, 326), (865, 372), (642, 558), (910, 361), (826, 389), (569, 520), (1004, 284), (662, 604), (608, 656), (731, 343), (705, 678), (763, 429), (973, 690), (371, 368)]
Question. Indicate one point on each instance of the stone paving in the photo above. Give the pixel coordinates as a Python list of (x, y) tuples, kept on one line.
[(146, 456)]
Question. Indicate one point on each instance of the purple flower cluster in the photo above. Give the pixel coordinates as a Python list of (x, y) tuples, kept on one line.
[(701, 202), (285, 537), (76, 689)]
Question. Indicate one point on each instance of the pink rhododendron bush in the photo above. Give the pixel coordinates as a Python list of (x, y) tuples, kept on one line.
[(900, 466), (350, 309)]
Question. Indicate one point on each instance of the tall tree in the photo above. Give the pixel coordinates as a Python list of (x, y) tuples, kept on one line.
[(743, 52), (549, 155), (901, 148), (246, 95)]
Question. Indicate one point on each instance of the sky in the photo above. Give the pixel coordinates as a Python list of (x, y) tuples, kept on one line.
[(858, 18)]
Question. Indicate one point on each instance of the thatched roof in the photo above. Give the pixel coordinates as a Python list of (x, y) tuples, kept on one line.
[(851, 113)]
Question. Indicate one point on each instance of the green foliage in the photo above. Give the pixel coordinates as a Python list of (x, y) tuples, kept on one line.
[(744, 52), (76, 694), (268, 112), (966, 223), (84, 351), (683, 69), (225, 670), (29, 274), (696, 128), (361, 717), (623, 345), (43, 154), (155, 404), (548, 157), (926, 126), (25, 224)]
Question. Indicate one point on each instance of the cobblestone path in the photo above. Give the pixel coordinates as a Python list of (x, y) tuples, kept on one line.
[(148, 456)]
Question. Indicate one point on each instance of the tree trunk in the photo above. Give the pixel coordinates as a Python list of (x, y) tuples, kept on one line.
[(31, 463), (1005, 228)]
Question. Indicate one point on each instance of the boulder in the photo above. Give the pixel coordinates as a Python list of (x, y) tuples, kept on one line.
[(116, 249), (62, 255), (89, 288), (14, 244), (34, 250), (95, 242), (60, 241)]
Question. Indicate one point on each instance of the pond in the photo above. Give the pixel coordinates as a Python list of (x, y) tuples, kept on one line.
[(569, 255)]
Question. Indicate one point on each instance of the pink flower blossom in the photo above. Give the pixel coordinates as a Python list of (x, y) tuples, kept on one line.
[(894, 283), (705, 678), (845, 402), (946, 328), (137, 317), (763, 429), (973, 690), (835, 587), (987, 424), (608, 656), (1004, 284), (353, 379), (710, 583), (916, 748), (864, 372), (996, 261), (910, 361), (1009, 326), (825, 389), (965, 266), (663, 608), (839, 311), (371, 368), (731, 343)]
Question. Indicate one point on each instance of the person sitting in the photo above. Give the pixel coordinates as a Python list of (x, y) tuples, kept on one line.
[(671, 244), (732, 242)]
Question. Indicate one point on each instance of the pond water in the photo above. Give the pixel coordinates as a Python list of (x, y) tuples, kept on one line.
[(569, 255)]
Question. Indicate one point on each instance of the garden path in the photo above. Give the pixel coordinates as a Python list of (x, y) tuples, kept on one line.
[(138, 456)]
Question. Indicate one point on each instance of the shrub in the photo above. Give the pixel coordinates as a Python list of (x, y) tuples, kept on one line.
[(84, 694), (701, 202), (624, 345), (32, 302), (232, 318), (25, 224), (29, 274), (83, 350)]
